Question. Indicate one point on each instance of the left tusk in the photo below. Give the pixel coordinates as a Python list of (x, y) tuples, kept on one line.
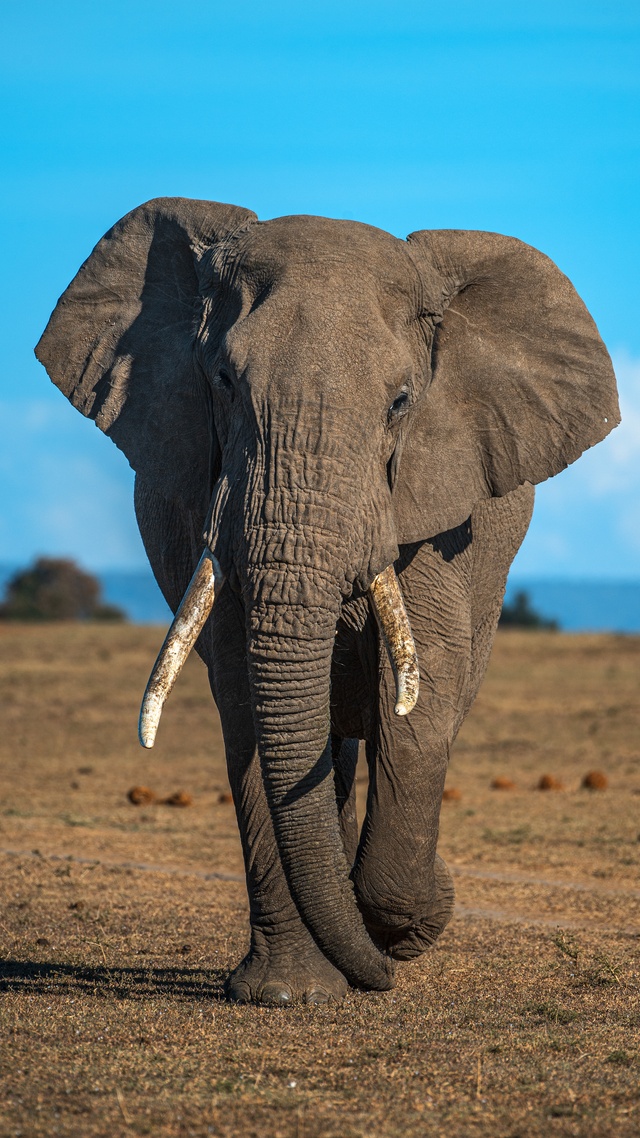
[(388, 605), (187, 625)]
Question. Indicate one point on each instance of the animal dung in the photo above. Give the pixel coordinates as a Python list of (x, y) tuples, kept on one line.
[(548, 782), (451, 794), (141, 796), (180, 798), (225, 799), (501, 783), (595, 780)]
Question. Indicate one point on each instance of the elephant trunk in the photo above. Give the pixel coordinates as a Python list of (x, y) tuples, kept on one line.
[(289, 652)]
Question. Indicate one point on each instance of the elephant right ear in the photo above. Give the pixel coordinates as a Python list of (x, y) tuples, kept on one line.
[(518, 386), (120, 341)]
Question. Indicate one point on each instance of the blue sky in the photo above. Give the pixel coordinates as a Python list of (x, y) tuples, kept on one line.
[(404, 115)]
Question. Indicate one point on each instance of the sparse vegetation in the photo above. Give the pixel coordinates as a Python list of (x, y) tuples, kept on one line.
[(567, 944), (620, 1058)]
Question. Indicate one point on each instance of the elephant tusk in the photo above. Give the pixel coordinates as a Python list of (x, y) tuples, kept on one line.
[(180, 639), (391, 614)]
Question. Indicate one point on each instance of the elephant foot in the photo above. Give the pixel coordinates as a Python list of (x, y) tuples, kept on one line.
[(280, 975), (406, 942), (416, 940)]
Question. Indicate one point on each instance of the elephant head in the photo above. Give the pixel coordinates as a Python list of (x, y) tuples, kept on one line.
[(317, 393)]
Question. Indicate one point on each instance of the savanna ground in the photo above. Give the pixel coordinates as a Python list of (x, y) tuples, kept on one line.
[(119, 923)]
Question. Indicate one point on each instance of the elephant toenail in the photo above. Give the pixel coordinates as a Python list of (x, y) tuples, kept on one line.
[(239, 993), (317, 996), (278, 995)]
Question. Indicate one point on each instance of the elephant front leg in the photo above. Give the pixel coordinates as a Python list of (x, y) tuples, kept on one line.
[(283, 964), (404, 889)]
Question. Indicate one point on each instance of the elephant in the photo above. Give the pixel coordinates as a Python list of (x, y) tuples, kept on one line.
[(335, 435)]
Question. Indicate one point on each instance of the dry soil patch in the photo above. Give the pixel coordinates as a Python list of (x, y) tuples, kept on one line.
[(117, 933)]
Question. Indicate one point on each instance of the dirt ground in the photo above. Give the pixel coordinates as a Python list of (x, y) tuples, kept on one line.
[(119, 922)]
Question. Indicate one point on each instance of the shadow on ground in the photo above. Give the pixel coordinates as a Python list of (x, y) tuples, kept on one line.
[(55, 978)]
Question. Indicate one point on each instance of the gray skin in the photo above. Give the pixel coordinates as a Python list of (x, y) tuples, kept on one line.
[(315, 400)]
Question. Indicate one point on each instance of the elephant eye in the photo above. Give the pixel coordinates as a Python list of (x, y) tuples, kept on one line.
[(399, 407), (224, 383)]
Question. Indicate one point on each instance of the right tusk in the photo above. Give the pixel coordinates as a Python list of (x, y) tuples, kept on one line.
[(391, 614), (187, 625)]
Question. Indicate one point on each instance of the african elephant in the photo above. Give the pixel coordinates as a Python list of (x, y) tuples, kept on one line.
[(317, 411)]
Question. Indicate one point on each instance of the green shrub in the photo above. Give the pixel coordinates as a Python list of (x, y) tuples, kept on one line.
[(56, 589), (520, 614)]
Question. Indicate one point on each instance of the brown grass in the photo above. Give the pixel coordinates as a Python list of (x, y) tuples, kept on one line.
[(119, 922)]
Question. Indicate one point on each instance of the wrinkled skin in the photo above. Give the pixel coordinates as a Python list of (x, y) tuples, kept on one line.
[(316, 400)]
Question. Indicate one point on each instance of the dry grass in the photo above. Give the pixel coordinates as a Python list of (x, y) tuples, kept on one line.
[(117, 934)]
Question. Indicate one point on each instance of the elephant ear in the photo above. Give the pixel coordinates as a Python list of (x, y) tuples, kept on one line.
[(120, 342), (521, 382)]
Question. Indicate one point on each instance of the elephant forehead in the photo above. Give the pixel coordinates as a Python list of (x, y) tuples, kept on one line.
[(317, 330), (327, 251)]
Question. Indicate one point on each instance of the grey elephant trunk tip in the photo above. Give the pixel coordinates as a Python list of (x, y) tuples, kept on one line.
[(391, 614), (187, 625)]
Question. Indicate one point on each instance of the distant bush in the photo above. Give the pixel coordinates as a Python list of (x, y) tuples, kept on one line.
[(520, 614), (56, 589)]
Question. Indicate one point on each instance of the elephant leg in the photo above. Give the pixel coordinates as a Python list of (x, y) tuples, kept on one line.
[(345, 762), (283, 963), (404, 889), (453, 588)]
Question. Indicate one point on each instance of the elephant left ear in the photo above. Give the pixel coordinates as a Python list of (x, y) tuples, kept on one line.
[(521, 383), (121, 342)]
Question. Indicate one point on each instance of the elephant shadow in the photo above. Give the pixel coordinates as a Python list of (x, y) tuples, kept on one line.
[(49, 978)]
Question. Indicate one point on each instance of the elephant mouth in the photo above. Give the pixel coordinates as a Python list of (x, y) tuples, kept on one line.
[(198, 601)]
